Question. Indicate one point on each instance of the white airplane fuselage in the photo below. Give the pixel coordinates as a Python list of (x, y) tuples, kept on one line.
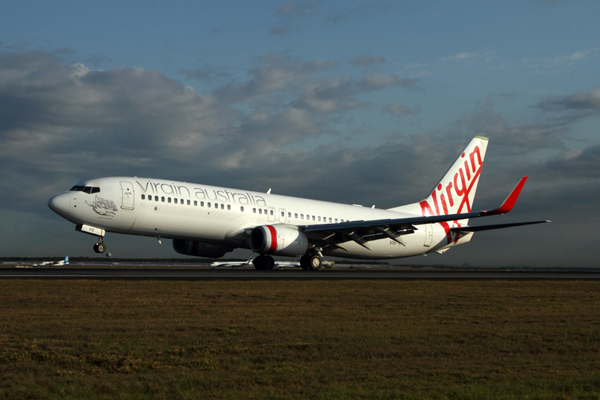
[(222, 216)]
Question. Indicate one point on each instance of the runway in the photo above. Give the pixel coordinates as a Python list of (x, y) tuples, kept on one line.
[(205, 274)]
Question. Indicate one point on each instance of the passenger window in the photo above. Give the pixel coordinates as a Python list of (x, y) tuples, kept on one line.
[(162, 198), (242, 208), (175, 201), (260, 210), (313, 217), (155, 198), (289, 215), (143, 197), (222, 206), (201, 204), (254, 210), (319, 219), (196, 203), (168, 200), (271, 213), (228, 206), (296, 215), (188, 202), (301, 216)]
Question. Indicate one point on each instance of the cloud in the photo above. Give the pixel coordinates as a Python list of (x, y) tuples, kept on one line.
[(575, 163), (341, 93), (561, 61), (62, 123), (382, 81), (291, 12), (206, 73), (277, 72), (366, 60), (65, 122), (466, 55), (587, 101), (514, 138)]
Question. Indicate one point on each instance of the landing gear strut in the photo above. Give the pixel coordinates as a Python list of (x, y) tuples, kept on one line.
[(264, 263), (310, 262)]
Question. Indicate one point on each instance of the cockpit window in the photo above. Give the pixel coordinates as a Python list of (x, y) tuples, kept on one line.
[(85, 189)]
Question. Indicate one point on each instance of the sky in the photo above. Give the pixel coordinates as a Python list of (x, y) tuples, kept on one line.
[(358, 102)]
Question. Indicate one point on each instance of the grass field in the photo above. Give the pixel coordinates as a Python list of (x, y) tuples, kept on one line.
[(298, 340)]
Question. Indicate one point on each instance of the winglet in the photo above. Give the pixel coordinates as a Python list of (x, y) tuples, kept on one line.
[(510, 201)]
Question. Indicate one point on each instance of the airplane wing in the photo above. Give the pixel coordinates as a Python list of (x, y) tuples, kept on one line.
[(362, 232), (480, 228)]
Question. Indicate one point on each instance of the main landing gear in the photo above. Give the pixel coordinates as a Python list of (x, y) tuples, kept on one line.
[(310, 262)]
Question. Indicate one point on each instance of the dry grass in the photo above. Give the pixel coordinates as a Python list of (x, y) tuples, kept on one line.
[(323, 340)]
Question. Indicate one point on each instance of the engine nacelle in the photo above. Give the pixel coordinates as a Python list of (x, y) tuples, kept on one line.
[(278, 240), (200, 249)]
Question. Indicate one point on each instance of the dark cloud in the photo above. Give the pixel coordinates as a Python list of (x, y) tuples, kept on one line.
[(277, 72), (514, 139), (589, 101), (572, 164)]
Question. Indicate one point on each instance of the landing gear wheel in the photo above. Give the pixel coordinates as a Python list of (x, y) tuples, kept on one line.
[(304, 261), (310, 262), (99, 247), (264, 263), (314, 262)]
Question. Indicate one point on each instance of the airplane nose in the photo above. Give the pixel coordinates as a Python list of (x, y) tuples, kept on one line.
[(60, 203)]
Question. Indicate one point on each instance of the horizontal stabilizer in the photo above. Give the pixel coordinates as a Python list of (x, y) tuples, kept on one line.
[(497, 226)]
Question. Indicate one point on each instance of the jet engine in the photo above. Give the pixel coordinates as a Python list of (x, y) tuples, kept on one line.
[(200, 249), (278, 240)]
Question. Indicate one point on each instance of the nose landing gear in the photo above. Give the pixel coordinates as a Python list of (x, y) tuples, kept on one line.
[(100, 247)]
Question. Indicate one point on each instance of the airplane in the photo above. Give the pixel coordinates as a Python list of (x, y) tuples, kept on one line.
[(233, 264), (210, 221), (46, 263)]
